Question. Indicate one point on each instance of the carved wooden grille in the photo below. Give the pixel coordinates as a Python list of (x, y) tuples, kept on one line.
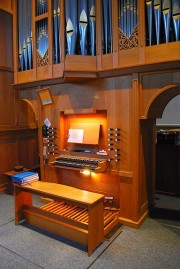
[(42, 61), (128, 42)]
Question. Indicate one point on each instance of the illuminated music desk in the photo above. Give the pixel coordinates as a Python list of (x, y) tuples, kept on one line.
[(72, 213)]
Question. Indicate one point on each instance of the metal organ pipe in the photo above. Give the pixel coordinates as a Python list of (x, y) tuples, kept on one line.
[(56, 30), (41, 7), (25, 35), (83, 22), (71, 25), (163, 21), (127, 16), (80, 26), (42, 37), (176, 18), (162, 17), (149, 19), (107, 25), (166, 10), (92, 23), (157, 16)]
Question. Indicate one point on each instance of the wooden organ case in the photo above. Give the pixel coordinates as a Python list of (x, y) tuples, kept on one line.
[(105, 69)]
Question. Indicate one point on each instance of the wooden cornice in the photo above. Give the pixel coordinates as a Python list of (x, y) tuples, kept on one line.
[(79, 76)]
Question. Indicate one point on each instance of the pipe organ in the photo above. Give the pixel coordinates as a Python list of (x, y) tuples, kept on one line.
[(45, 26), (106, 62)]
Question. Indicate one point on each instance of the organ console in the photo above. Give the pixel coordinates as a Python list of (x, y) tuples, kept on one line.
[(75, 162)]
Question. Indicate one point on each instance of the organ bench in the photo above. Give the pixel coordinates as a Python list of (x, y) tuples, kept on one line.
[(72, 213)]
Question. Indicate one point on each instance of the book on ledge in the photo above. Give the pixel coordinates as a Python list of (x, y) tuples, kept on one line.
[(25, 178)]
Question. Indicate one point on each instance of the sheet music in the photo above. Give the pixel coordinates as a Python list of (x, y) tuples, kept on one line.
[(76, 135)]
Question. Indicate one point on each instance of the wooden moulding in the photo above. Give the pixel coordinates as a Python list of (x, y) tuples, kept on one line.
[(80, 111)]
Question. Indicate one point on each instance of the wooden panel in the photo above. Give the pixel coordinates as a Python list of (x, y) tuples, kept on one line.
[(147, 163), (26, 76), (56, 227), (44, 72), (6, 48), (163, 52), (128, 57), (58, 70), (99, 183), (28, 149), (22, 198), (7, 97), (126, 208), (52, 174), (7, 147), (107, 61), (6, 6), (72, 60)]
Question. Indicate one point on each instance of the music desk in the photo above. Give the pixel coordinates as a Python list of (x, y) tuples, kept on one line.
[(72, 213)]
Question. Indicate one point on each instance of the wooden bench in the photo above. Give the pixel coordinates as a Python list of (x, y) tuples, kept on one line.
[(72, 213)]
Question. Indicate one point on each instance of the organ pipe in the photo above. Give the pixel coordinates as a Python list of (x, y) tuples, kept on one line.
[(107, 26), (56, 30), (163, 21), (25, 35), (71, 25), (149, 19), (92, 23), (166, 10), (127, 16), (41, 7), (42, 37), (83, 22), (162, 25), (157, 16), (176, 18)]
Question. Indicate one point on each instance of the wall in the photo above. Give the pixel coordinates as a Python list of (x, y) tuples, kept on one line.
[(171, 114), (18, 127)]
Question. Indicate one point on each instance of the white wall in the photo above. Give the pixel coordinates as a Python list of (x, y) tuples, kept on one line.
[(171, 113)]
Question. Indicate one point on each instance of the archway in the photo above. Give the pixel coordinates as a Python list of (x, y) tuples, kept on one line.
[(160, 100), (154, 110)]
